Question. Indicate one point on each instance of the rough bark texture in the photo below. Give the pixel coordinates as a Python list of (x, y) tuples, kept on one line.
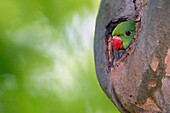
[(139, 82)]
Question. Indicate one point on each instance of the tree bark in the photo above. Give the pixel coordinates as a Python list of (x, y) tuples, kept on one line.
[(139, 82)]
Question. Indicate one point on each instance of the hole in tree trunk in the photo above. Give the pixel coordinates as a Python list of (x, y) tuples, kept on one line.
[(111, 55)]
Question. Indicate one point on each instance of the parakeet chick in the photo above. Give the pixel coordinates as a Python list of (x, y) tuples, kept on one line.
[(123, 35)]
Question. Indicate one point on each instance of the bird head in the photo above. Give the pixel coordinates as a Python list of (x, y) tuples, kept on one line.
[(123, 35)]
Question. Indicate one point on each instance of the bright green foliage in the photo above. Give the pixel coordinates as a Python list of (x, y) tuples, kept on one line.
[(121, 29), (40, 70)]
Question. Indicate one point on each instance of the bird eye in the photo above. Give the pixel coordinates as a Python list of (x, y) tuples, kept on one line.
[(127, 33)]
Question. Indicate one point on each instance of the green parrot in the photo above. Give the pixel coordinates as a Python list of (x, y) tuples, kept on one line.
[(123, 35)]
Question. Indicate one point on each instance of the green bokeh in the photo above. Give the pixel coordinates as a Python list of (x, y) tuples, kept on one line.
[(41, 71)]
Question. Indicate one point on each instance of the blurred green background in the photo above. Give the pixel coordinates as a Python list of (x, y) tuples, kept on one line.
[(46, 57)]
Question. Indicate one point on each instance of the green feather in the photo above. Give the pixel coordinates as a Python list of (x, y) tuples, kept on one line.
[(122, 28)]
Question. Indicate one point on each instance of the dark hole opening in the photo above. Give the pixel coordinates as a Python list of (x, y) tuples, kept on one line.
[(111, 54)]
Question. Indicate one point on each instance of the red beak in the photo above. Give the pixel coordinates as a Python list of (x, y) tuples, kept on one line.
[(117, 43)]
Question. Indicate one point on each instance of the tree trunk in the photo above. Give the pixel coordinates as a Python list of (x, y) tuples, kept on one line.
[(138, 82)]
